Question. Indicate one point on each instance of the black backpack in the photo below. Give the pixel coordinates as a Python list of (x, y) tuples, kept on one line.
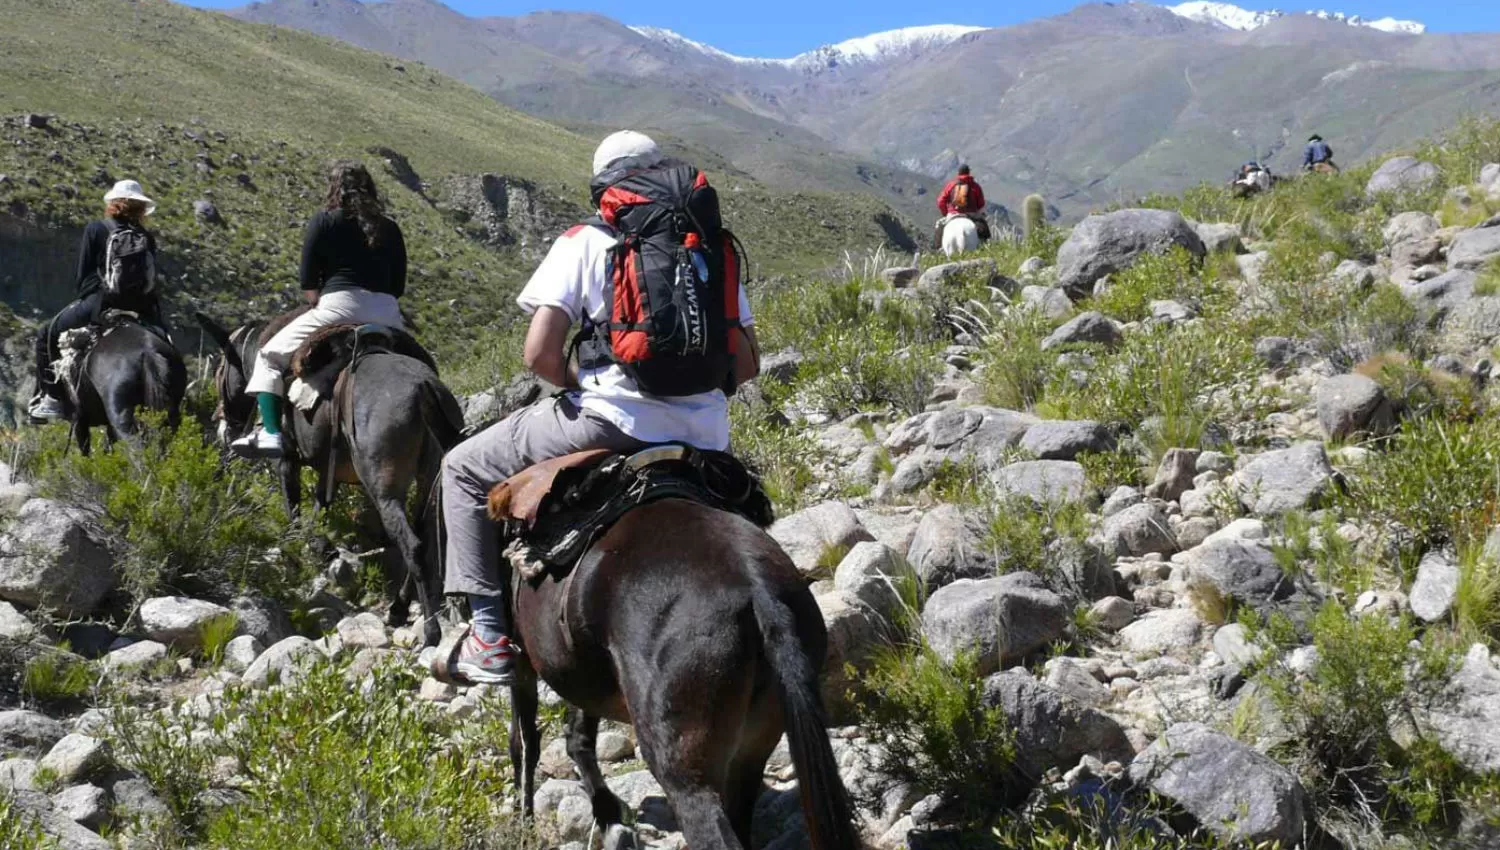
[(129, 261), (674, 283)]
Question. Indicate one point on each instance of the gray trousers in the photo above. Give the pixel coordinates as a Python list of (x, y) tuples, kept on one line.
[(551, 428)]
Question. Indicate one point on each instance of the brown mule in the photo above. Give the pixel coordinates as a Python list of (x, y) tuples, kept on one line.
[(391, 437), (692, 625)]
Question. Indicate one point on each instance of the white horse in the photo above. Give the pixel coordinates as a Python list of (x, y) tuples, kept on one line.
[(959, 235)]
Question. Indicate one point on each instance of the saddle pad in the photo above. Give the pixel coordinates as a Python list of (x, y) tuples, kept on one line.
[(519, 498), (334, 344)]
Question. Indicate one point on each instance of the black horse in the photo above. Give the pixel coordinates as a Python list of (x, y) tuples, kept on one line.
[(707, 640), (391, 437), (129, 367)]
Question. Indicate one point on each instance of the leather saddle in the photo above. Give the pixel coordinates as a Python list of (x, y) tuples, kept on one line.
[(555, 510), (322, 359)]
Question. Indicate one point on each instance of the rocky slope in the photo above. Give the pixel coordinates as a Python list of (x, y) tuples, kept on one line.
[(1196, 507), (1108, 101)]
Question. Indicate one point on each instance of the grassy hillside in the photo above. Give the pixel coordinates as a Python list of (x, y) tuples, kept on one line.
[(199, 106)]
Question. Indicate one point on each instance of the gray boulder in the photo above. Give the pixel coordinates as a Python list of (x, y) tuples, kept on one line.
[(1349, 405), (949, 545), (284, 662), (263, 619), (1136, 531), (1473, 249), (873, 573), (1061, 440), (1084, 329), (1439, 296), (207, 212), (855, 632), (1052, 729), (983, 271), (1162, 631), (900, 278), (1473, 324), (86, 805), (75, 758), (28, 732), (134, 656), (241, 652), (1112, 613), (50, 557), (1175, 475), (180, 622), (1238, 569), (1231, 789), (812, 535), (1120, 498), (1220, 237), (1403, 174), (1412, 240), (1291, 479), (1232, 644), (1467, 720), (15, 625), (1043, 481), (1001, 620), (1104, 244), (1436, 587), (1048, 300)]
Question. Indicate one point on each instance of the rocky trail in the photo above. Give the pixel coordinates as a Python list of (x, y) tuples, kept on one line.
[(1202, 592)]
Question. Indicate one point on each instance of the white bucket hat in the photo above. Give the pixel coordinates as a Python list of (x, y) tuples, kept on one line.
[(626, 145), (130, 190)]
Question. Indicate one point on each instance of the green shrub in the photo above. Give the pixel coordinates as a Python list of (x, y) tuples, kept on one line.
[(1017, 371), (1347, 715), (19, 832), (1460, 460), (1183, 379), (57, 677), (178, 517), (934, 732), (781, 454), (1173, 276), (333, 766), (1023, 535)]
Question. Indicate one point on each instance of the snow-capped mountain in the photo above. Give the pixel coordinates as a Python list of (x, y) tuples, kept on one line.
[(1235, 18), (879, 47)]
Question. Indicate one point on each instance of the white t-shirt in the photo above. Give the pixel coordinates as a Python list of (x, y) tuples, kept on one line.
[(573, 278)]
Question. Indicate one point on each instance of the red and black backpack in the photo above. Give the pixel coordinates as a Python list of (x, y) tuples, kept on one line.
[(674, 283)]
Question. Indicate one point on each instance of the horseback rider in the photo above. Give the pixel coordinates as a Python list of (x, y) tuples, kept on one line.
[(963, 196), (353, 270), (1318, 156), (116, 271), (603, 405)]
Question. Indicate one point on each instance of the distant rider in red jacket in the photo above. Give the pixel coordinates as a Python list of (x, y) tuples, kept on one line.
[(963, 196)]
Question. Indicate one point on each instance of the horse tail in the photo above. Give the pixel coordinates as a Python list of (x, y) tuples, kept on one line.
[(825, 801), (442, 415), (158, 383)]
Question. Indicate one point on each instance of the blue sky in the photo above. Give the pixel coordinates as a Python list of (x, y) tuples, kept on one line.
[(780, 28)]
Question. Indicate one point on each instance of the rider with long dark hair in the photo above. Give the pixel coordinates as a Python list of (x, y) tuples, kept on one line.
[(113, 273), (353, 270)]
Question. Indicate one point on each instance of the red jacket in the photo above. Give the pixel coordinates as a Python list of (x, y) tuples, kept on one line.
[(976, 197)]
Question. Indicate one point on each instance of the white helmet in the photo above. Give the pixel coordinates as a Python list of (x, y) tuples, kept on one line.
[(627, 148)]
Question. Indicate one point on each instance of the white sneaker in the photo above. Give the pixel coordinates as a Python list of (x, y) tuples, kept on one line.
[(45, 408), (257, 443)]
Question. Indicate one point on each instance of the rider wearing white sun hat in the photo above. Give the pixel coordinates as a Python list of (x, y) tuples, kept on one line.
[(116, 270)]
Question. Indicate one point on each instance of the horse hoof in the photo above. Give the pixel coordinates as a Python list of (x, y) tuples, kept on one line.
[(619, 837)]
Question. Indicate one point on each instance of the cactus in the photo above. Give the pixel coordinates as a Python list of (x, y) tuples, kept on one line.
[(1034, 214)]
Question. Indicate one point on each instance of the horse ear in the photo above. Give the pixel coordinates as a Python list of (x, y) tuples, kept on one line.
[(220, 336)]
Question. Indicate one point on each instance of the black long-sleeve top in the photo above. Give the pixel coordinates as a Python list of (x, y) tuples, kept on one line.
[(91, 254), (336, 256)]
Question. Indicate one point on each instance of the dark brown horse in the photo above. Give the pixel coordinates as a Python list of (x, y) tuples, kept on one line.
[(692, 625), (391, 438), (130, 367)]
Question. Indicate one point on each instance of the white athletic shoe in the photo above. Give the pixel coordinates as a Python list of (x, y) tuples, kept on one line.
[(45, 408), (257, 443)]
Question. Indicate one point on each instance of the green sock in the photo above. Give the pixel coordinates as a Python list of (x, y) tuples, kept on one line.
[(270, 412)]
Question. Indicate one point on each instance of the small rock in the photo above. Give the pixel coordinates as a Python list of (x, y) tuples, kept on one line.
[(1291, 479), (1136, 531), (432, 690), (873, 573), (1051, 728), (363, 631), (1112, 613), (900, 278), (51, 558), (1238, 569), (14, 625), (948, 545), (1232, 644), (1175, 475), (1121, 498), (1043, 481), (1001, 620), (1068, 677), (241, 652), (1436, 587), (613, 746), (180, 622), (207, 212), (1162, 631), (87, 805), (17, 774), (285, 661), (1090, 328), (135, 656), (1232, 790), (1402, 174), (1349, 405), (76, 758), (810, 536), (28, 732), (1058, 440)]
